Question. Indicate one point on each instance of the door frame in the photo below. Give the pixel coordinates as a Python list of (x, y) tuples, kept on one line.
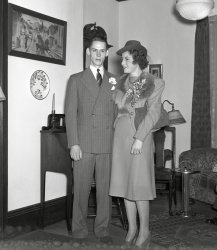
[(3, 116)]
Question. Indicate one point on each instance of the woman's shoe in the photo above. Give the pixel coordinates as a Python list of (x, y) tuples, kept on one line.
[(145, 244), (127, 244), (130, 243)]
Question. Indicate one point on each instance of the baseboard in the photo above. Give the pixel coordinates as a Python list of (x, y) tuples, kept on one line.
[(30, 217), (55, 211)]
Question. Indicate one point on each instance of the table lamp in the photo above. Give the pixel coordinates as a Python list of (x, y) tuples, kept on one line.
[(175, 116)]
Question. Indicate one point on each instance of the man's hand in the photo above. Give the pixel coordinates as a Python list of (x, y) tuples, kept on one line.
[(136, 147), (76, 153)]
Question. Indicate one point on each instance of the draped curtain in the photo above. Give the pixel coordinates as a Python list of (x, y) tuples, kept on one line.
[(213, 78), (201, 117)]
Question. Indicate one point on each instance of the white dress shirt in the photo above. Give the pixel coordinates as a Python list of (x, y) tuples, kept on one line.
[(94, 70)]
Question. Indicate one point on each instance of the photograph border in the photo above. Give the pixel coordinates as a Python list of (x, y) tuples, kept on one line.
[(11, 51), (156, 69)]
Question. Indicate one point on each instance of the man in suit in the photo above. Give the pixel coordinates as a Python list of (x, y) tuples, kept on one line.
[(89, 113)]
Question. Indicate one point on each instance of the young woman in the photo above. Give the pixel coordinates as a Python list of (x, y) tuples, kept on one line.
[(138, 98)]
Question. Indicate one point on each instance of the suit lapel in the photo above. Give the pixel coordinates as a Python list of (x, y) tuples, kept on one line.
[(90, 82), (106, 86), (104, 91)]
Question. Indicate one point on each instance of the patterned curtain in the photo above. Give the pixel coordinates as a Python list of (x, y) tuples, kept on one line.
[(213, 78), (201, 118)]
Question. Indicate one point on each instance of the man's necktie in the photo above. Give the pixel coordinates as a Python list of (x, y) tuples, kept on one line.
[(99, 77)]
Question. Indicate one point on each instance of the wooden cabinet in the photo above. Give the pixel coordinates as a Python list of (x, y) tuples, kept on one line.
[(55, 157)]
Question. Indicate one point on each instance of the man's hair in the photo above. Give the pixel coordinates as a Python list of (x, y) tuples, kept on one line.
[(100, 39)]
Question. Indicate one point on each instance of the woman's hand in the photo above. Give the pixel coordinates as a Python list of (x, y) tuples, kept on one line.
[(136, 147)]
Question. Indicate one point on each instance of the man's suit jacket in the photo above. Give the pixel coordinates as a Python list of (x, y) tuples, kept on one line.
[(89, 112)]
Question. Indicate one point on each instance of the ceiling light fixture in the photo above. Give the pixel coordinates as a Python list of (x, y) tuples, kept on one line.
[(194, 9)]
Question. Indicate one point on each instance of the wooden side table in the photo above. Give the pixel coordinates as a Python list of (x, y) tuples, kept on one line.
[(55, 157)]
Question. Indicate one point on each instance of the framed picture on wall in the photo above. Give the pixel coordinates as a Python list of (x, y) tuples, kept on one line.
[(156, 70), (36, 36)]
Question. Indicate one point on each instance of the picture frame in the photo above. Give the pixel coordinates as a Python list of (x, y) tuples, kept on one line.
[(36, 36), (156, 70)]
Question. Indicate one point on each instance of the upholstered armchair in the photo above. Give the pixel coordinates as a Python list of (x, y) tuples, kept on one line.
[(201, 184)]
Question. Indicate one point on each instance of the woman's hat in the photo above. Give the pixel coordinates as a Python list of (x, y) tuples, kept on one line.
[(132, 44)]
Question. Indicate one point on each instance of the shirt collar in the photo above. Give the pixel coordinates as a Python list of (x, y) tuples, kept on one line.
[(94, 70)]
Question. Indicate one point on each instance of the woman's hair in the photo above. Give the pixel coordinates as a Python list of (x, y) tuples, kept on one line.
[(140, 57)]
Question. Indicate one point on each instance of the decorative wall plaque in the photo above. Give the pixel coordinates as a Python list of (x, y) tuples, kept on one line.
[(39, 84)]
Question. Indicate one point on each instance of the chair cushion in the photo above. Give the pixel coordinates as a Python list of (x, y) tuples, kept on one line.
[(202, 186)]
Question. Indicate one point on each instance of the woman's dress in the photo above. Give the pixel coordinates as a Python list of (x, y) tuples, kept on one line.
[(133, 176)]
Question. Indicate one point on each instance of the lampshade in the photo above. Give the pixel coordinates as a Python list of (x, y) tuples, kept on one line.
[(194, 9), (2, 96), (175, 116)]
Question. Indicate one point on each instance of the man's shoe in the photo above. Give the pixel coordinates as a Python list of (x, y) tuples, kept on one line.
[(106, 239)]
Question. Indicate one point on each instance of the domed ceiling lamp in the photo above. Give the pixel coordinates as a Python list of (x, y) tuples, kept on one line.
[(194, 9)]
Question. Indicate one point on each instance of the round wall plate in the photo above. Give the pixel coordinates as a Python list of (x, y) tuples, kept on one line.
[(39, 84)]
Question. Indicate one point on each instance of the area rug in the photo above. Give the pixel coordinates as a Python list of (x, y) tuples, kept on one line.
[(177, 232), (168, 232), (184, 233), (201, 235), (42, 240)]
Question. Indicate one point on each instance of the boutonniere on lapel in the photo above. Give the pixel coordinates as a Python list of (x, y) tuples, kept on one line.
[(113, 82), (140, 89)]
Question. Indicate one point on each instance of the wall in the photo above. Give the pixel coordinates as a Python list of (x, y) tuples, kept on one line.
[(27, 115), (168, 38), (214, 10), (170, 41)]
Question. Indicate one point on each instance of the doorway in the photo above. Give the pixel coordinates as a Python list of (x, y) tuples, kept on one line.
[(3, 116)]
